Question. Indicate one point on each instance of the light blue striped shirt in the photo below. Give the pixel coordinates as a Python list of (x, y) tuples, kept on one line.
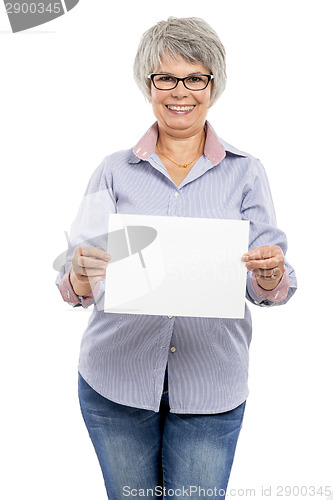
[(124, 356)]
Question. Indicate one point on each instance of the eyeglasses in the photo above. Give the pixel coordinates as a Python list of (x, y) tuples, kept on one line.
[(165, 81)]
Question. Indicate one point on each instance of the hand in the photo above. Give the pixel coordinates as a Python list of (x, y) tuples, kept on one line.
[(88, 267), (267, 265)]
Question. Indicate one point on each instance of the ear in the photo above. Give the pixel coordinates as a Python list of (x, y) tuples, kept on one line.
[(149, 97)]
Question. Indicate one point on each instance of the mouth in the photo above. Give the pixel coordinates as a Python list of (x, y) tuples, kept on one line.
[(179, 108)]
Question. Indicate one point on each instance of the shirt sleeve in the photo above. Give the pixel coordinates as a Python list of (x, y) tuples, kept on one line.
[(67, 292), (90, 227), (258, 208), (278, 294)]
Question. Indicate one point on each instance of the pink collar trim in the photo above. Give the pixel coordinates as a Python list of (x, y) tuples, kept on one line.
[(214, 150)]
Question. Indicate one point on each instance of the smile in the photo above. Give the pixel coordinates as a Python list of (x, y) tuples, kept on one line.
[(180, 108)]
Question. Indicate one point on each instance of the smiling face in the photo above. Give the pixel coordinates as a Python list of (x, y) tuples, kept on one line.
[(180, 112)]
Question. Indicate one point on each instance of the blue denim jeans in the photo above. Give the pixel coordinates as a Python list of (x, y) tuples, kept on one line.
[(153, 455)]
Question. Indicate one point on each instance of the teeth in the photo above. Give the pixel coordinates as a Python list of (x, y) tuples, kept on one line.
[(180, 108)]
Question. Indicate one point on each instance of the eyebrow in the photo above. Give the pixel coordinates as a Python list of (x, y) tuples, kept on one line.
[(171, 74)]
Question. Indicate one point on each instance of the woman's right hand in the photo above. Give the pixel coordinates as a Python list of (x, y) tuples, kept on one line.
[(88, 267)]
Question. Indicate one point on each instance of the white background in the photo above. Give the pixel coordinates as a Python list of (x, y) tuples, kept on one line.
[(68, 99)]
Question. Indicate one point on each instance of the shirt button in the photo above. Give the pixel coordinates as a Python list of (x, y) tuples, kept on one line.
[(176, 194), (173, 349)]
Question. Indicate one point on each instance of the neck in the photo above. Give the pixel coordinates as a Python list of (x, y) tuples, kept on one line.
[(181, 147)]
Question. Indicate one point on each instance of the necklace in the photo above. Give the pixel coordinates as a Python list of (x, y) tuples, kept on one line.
[(181, 165)]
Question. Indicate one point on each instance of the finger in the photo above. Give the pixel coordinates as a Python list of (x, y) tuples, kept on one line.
[(92, 263), (91, 272), (87, 271), (88, 278), (263, 252), (271, 274), (96, 252), (265, 273), (264, 264), (92, 281)]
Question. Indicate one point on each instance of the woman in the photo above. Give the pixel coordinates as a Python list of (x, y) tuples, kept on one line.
[(163, 397)]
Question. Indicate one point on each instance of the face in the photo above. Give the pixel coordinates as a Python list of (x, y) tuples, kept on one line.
[(183, 122)]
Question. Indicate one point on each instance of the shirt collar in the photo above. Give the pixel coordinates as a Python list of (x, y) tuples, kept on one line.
[(215, 148)]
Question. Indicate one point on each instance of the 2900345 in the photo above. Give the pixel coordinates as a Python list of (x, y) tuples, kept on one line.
[(303, 491), (33, 8)]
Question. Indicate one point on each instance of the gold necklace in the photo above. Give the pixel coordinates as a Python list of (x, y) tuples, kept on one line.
[(184, 165)]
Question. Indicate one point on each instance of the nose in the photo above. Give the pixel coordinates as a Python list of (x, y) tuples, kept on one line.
[(180, 91)]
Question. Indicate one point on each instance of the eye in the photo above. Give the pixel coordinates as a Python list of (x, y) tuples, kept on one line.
[(165, 78), (196, 79)]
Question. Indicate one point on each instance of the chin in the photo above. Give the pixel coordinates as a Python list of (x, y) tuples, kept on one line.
[(181, 122)]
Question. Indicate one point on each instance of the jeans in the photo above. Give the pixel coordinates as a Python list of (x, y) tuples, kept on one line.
[(160, 455)]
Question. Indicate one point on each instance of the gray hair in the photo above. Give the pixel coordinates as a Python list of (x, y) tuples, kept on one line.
[(189, 37)]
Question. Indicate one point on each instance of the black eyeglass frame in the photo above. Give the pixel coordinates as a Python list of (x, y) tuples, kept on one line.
[(152, 76)]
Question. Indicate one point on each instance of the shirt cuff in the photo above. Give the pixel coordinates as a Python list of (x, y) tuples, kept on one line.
[(278, 294), (68, 294)]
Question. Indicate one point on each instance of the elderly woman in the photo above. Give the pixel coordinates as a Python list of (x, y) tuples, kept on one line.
[(163, 397)]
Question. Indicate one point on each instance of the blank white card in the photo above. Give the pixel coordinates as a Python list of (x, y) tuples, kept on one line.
[(176, 266)]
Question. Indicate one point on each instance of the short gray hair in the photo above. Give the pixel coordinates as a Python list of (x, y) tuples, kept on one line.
[(189, 37)]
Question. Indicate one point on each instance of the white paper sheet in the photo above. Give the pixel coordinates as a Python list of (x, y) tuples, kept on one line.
[(176, 266)]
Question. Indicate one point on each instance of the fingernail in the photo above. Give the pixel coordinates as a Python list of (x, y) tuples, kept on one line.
[(107, 256)]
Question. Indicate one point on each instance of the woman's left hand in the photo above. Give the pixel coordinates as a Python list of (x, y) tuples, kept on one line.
[(267, 265)]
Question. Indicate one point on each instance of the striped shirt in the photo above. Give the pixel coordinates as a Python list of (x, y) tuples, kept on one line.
[(124, 356)]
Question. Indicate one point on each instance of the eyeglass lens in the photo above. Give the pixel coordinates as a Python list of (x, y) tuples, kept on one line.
[(193, 82)]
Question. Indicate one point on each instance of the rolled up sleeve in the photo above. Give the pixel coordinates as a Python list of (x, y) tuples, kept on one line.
[(90, 228), (258, 208)]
